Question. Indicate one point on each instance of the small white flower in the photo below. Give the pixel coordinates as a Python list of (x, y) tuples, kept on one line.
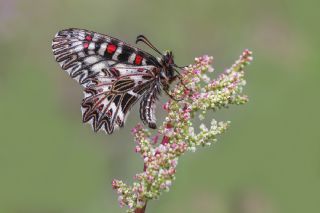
[(146, 159), (203, 127), (130, 204), (205, 78), (191, 131), (174, 162), (162, 148), (160, 172), (210, 69), (140, 203), (213, 122), (192, 148), (201, 116), (196, 80)]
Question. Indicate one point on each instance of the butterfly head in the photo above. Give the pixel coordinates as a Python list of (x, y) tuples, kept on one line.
[(168, 64), (168, 57), (166, 61)]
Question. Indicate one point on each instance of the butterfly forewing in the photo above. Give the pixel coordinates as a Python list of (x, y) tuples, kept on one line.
[(115, 75)]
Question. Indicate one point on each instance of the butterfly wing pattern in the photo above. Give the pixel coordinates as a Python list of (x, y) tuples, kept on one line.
[(114, 75)]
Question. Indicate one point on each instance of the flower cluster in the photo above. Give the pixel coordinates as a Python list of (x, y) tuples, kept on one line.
[(197, 94)]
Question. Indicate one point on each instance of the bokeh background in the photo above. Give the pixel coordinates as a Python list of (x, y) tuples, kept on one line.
[(267, 162)]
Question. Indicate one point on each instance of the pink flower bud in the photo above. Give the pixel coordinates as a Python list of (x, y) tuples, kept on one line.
[(155, 139), (115, 184), (166, 106), (186, 92), (137, 149), (174, 145), (186, 116), (197, 72), (165, 140)]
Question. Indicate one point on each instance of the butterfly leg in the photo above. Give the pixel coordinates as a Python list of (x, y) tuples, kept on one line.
[(168, 93)]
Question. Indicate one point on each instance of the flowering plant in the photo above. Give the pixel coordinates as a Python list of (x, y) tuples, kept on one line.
[(198, 93)]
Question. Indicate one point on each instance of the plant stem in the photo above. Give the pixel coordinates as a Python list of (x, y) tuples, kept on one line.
[(142, 210)]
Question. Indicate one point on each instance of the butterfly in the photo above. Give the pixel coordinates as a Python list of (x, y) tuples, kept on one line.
[(115, 76)]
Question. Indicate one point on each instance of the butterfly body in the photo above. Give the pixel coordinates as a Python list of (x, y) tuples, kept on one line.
[(114, 74)]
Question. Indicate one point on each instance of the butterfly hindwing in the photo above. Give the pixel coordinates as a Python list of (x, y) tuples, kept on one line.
[(106, 106)]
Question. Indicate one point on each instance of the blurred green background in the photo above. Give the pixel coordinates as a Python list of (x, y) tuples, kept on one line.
[(268, 161)]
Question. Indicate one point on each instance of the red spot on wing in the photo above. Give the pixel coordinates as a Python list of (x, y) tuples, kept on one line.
[(100, 107), (109, 113), (138, 59), (86, 45), (88, 38), (111, 48)]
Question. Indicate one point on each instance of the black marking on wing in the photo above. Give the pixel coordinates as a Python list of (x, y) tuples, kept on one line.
[(125, 54)]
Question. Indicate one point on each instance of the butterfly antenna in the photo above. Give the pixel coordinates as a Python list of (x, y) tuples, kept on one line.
[(143, 39)]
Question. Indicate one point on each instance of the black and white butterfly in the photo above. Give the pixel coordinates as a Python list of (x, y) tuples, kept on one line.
[(114, 74)]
